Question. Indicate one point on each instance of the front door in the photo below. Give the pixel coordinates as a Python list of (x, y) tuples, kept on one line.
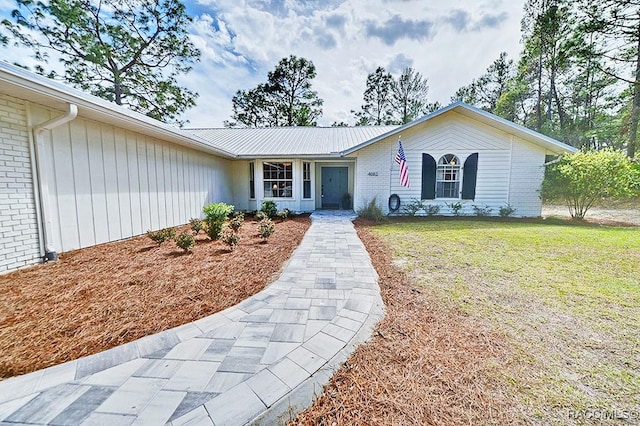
[(335, 183)]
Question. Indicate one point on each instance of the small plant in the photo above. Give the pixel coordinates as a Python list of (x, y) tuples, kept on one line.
[(270, 208), (456, 208), (236, 221), (215, 215), (266, 228), (284, 213), (162, 235), (197, 225), (230, 238), (372, 212), (507, 210), (432, 209), (413, 207), (185, 241), (260, 215), (482, 211)]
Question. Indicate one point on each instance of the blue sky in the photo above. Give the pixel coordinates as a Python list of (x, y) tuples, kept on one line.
[(449, 42)]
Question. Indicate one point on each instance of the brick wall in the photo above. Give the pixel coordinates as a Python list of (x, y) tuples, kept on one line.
[(19, 244)]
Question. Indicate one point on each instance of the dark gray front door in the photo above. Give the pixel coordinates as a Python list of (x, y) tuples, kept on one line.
[(335, 183)]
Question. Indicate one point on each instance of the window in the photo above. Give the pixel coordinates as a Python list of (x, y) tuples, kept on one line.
[(448, 177), (252, 180), (278, 180), (306, 180)]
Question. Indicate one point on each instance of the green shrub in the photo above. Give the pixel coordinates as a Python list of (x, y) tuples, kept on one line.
[(482, 211), (284, 213), (261, 215), (215, 215), (371, 211), (185, 241), (230, 238), (236, 222), (456, 208), (197, 225), (432, 209), (266, 228), (507, 210), (413, 207), (580, 179), (270, 208), (162, 235)]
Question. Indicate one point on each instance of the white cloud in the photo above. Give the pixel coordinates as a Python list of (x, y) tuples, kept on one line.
[(450, 43)]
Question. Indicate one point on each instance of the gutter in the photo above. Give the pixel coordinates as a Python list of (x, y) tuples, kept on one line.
[(41, 182)]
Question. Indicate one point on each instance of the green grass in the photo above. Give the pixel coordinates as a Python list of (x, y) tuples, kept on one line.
[(567, 297)]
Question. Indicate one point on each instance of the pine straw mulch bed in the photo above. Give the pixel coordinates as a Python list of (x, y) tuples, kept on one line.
[(427, 364), (100, 297)]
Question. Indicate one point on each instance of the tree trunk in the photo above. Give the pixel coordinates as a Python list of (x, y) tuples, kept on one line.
[(117, 88), (635, 111)]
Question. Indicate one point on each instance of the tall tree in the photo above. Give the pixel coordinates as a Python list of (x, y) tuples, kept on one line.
[(485, 91), (409, 96), (129, 52), (377, 99), (617, 24), (286, 99)]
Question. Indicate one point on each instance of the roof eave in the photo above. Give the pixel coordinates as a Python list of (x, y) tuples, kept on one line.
[(545, 142), (93, 106)]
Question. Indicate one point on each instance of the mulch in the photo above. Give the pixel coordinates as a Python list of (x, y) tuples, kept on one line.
[(96, 298), (428, 363)]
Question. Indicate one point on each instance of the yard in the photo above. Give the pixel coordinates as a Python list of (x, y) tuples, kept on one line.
[(496, 322), (103, 296)]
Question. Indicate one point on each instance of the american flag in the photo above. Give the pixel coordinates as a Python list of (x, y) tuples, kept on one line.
[(404, 170)]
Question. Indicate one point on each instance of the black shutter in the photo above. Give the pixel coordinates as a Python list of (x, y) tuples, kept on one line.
[(428, 177), (469, 177)]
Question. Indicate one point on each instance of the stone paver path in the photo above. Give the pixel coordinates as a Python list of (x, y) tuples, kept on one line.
[(257, 362)]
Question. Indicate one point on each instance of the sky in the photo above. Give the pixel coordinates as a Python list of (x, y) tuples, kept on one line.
[(449, 42)]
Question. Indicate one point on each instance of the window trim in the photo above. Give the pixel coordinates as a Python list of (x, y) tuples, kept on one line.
[(252, 180), (447, 165), (306, 177), (281, 181)]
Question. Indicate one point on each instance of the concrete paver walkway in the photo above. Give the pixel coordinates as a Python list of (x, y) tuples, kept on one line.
[(257, 362)]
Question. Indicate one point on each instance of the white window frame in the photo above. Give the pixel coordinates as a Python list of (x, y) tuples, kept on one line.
[(277, 179), (306, 177), (448, 177)]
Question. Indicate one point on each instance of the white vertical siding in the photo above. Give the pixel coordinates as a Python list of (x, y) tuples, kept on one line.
[(527, 172), (377, 172), (19, 239), (108, 183)]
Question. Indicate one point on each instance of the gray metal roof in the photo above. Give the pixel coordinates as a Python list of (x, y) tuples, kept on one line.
[(290, 141)]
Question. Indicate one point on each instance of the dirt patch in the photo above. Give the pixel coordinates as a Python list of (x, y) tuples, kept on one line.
[(100, 297), (614, 216), (426, 364)]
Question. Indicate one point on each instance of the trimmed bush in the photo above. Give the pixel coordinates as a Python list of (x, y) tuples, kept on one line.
[(185, 241), (506, 211), (266, 228), (270, 208), (162, 235), (236, 221), (215, 214), (230, 238), (456, 208), (482, 211), (432, 209), (197, 225)]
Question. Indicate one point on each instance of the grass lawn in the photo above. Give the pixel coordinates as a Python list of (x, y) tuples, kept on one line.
[(565, 297)]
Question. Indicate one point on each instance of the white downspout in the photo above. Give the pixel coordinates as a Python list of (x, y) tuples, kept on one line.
[(45, 205)]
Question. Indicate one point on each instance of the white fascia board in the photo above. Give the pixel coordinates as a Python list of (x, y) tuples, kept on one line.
[(485, 117), (34, 88)]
